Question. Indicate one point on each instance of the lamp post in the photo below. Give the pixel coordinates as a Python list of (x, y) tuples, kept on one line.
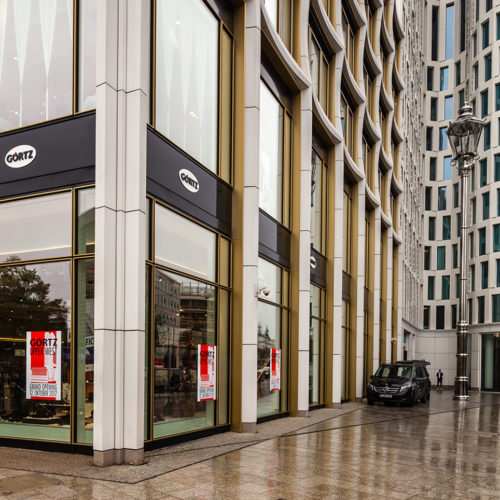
[(463, 134)]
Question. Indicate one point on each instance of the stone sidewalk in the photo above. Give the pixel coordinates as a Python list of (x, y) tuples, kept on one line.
[(445, 449)]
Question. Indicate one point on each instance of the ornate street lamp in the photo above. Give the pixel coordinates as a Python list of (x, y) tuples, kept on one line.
[(463, 134)]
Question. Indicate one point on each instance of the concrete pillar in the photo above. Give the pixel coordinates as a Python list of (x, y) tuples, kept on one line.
[(122, 72), (377, 262), (250, 218)]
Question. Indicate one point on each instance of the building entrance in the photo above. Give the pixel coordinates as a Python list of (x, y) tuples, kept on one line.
[(490, 376)]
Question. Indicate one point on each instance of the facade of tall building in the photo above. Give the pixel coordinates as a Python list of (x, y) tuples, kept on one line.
[(199, 209), (461, 54), (412, 158)]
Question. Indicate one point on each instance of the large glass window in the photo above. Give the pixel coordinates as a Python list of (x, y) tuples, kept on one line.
[(486, 206), (484, 274), (318, 203), (446, 227), (272, 339), (447, 168), (445, 287), (319, 72), (87, 54), (317, 322), (430, 287), (442, 198), (195, 249), (443, 139), (448, 107), (187, 95), (275, 127), (496, 237), (190, 294), (486, 34), (482, 240), (487, 67), (46, 227), (37, 64), (38, 301)]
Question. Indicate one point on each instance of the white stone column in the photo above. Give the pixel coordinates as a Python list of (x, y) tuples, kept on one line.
[(250, 217), (360, 290), (306, 120), (122, 72), (388, 321), (377, 263)]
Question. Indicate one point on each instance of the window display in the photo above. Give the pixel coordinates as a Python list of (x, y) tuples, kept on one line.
[(190, 322)]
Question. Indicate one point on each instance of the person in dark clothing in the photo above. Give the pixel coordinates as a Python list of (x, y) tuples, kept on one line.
[(439, 376)]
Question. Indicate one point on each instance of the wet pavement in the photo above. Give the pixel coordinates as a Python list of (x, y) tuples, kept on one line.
[(444, 449)]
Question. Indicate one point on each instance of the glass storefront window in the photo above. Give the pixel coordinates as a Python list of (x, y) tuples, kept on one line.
[(185, 316), (195, 248), (187, 313), (84, 305), (34, 298), (271, 154), (271, 334), (46, 223), (186, 106), (316, 345)]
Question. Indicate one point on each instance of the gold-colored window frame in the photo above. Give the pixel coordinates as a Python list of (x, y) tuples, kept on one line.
[(224, 259), (73, 259), (225, 94)]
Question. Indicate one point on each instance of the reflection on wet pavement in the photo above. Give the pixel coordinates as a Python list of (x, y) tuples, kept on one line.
[(447, 449)]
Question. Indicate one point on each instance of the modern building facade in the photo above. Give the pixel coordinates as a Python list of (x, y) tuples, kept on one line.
[(199, 209), (461, 54)]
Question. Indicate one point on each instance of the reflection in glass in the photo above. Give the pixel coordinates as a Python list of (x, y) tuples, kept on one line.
[(316, 191), (270, 277), (87, 54), (85, 354), (86, 219), (194, 251), (271, 154), (36, 61), (314, 345), (272, 10), (185, 316), (268, 337), (315, 57), (45, 223), (33, 298), (187, 92)]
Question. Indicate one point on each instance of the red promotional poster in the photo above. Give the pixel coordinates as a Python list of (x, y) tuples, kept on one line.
[(206, 372), (43, 365), (275, 380)]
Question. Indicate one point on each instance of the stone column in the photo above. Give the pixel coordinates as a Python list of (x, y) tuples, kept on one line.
[(122, 72)]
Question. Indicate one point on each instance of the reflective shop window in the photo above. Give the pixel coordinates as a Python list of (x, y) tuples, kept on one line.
[(316, 344), (35, 299), (194, 251), (274, 158), (318, 203), (37, 64), (190, 292), (271, 339), (45, 223), (185, 317), (187, 95)]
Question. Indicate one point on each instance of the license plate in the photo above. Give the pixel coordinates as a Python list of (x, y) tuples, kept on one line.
[(386, 396)]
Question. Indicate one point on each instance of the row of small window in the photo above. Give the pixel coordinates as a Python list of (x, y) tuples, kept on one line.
[(445, 282), (450, 30), (447, 174), (443, 138), (440, 313), (444, 74), (448, 105)]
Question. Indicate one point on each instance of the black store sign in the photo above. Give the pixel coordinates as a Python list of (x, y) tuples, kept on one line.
[(52, 155), (318, 268), (184, 184)]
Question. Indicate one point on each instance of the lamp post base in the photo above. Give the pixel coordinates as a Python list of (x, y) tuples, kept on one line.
[(461, 389)]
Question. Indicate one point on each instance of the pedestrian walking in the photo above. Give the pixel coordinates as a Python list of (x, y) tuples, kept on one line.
[(439, 376)]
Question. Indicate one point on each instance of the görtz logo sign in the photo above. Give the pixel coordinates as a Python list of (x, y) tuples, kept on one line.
[(189, 180), (20, 156)]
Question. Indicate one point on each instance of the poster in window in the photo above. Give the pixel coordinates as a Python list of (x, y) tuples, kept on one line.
[(206, 372), (275, 379), (43, 365)]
